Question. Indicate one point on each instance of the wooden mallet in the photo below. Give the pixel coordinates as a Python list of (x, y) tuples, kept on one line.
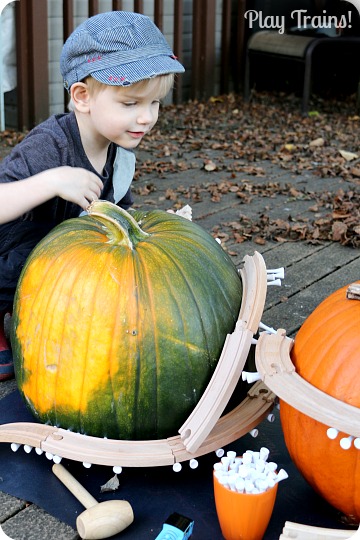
[(99, 520)]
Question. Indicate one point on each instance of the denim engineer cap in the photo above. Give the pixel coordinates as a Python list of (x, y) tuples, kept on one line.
[(118, 48)]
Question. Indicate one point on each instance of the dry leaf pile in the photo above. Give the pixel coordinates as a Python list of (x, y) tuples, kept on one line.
[(225, 135), (340, 224), (327, 142)]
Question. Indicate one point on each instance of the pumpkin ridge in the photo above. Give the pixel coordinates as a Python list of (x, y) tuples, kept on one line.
[(211, 275), (83, 397), (43, 325), (29, 321), (118, 365), (180, 269), (127, 367), (309, 370), (112, 354), (356, 498), (194, 296), (175, 263), (106, 392), (70, 265), (177, 304), (80, 269), (31, 364), (138, 370), (58, 290), (142, 269), (76, 396), (327, 343), (219, 284)]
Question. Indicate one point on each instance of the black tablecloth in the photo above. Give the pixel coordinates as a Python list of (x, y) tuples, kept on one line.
[(156, 492)]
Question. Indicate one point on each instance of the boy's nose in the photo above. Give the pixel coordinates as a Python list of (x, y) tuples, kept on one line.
[(146, 116)]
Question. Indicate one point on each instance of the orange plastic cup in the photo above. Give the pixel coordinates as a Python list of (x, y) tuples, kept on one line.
[(243, 516)]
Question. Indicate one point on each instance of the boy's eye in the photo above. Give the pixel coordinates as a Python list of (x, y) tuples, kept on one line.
[(134, 103)]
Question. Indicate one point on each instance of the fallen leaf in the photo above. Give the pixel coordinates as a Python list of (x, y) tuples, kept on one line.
[(317, 142), (210, 166), (290, 147), (355, 171), (348, 156), (259, 240), (111, 485), (338, 229), (185, 212)]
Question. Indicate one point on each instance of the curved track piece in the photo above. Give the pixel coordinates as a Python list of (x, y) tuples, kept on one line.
[(254, 280), (252, 410), (296, 531), (272, 359), (26, 433), (233, 357), (248, 414), (219, 390)]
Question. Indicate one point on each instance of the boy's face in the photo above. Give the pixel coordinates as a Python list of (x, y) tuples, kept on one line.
[(123, 115)]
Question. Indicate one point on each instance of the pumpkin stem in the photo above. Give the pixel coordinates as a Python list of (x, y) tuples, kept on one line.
[(127, 231)]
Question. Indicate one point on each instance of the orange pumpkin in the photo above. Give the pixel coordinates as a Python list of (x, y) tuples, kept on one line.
[(326, 354)]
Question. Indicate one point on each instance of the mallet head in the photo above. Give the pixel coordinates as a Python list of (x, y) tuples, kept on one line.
[(104, 519)]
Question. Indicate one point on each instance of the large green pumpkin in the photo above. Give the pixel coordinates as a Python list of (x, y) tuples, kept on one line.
[(119, 321)]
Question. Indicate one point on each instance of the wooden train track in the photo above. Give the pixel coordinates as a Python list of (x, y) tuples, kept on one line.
[(66, 444), (272, 359), (205, 430), (297, 531)]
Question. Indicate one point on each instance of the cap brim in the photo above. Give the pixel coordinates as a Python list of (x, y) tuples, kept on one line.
[(146, 68)]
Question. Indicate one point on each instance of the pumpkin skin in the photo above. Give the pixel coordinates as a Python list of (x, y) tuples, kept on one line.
[(117, 329), (326, 354)]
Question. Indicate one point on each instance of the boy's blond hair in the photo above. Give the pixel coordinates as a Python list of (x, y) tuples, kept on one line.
[(166, 82)]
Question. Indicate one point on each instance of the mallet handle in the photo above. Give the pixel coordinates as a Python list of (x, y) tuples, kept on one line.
[(74, 486)]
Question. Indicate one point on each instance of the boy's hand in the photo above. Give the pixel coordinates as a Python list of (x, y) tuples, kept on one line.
[(77, 185), (70, 183)]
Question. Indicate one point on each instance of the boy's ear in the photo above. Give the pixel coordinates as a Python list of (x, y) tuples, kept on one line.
[(80, 96)]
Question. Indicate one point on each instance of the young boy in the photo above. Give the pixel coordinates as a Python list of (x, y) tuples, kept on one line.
[(116, 66)]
